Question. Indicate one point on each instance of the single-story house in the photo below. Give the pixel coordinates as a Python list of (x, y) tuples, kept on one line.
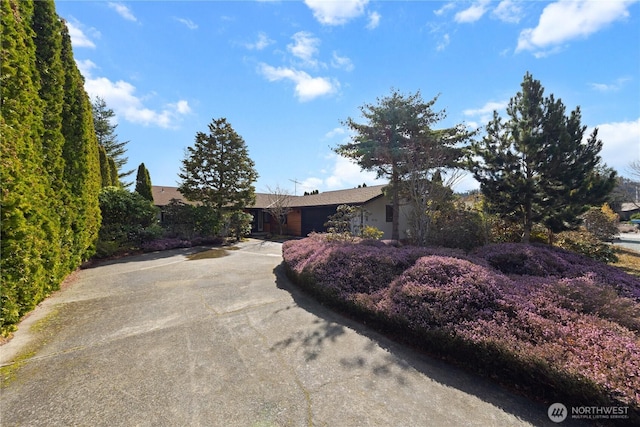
[(628, 209), (309, 213)]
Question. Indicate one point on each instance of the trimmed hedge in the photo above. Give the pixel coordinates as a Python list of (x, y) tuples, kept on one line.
[(50, 169), (553, 324)]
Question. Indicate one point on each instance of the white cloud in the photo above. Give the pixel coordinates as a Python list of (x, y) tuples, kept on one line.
[(374, 20), (188, 23), (182, 107), (85, 66), (306, 86), (262, 42), (487, 108), (335, 132), (620, 143), (508, 11), (123, 11), (304, 47), (483, 115), (342, 62), (445, 8), (544, 53), (78, 37), (472, 13), (120, 96), (563, 21), (310, 184), (336, 12), (340, 173), (466, 183), (610, 87), (442, 45)]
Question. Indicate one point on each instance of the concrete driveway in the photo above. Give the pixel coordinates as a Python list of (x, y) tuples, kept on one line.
[(162, 340)]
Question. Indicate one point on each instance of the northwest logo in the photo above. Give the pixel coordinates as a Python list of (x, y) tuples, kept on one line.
[(557, 412)]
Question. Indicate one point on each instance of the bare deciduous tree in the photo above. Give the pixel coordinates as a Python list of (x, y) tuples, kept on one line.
[(279, 205), (427, 194), (634, 167)]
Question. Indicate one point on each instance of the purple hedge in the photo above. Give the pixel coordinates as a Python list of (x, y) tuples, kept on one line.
[(544, 319), (539, 260), (441, 291)]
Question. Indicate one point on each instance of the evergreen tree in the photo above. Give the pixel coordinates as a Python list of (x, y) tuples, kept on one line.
[(143, 183), (49, 170), (24, 209), (106, 134), (398, 127), (105, 170), (217, 170), (82, 160), (48, 42), (535, 167), (113, 172)]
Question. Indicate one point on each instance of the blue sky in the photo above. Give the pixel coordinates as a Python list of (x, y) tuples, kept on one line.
[(286, 74)]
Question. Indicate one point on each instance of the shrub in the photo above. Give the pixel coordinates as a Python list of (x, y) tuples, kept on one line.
[(184, 221), (339, 269), (543, 260), (501, 230), (458, 228), (440, 291), (178, 219), (560, 325), (601, 222), (587, 244), (237, 224), (333, 236), (341, 221), (165, 244), (107, 248), (128, 220), (522, 259), (358, 268), (371, 232), (587, 294)]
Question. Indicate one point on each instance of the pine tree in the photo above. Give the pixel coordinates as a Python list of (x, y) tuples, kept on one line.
[(143, 183), (217, 170), (106, 134), (398, 127), (535, 167)]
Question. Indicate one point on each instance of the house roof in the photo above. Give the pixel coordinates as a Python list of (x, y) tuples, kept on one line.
[(352, 196), (629, 207), (162, 195), (263, 201), (355, 196)]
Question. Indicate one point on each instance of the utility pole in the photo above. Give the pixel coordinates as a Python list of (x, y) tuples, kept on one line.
[(295, 185)]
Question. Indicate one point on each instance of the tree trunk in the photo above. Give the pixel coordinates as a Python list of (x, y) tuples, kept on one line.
[(395, 182), (526, 235)]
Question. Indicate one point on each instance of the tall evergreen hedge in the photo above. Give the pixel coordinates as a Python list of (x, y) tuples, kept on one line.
[(49, 167)]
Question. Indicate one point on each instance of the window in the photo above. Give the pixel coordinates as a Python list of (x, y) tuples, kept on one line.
[(389, 213)]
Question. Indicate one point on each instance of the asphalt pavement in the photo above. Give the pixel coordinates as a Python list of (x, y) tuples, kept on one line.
[(224, 339), (628, 240)]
